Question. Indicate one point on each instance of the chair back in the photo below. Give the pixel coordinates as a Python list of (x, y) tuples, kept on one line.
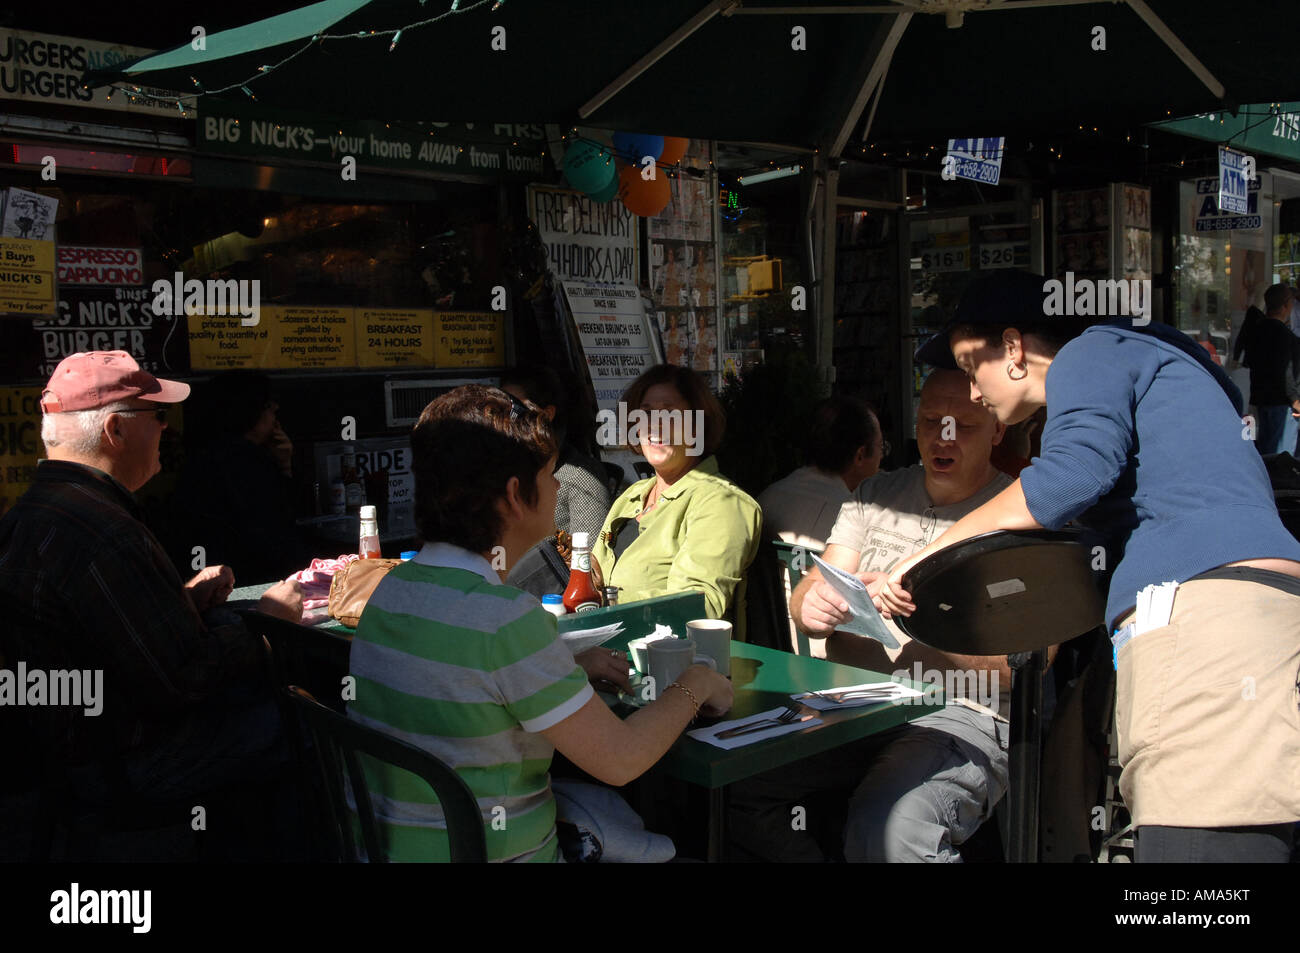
[(338, 743), (794, 561)]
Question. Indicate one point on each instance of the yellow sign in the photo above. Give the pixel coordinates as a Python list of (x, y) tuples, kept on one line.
[(20, 441), (218, 342), (26, 276), (387, 337), (309, 337), (469, 339)]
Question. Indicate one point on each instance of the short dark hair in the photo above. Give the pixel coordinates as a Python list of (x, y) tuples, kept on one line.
[(1275, 298), (465, 447), (693, 388), (840, 425)]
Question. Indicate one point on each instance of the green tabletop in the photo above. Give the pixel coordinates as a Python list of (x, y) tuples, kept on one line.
[(764, 679)]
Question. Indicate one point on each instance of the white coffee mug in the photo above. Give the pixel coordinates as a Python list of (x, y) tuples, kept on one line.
[(713, 636), (668, 658)]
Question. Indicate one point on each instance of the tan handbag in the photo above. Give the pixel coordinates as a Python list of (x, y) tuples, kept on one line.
[(352, 586)]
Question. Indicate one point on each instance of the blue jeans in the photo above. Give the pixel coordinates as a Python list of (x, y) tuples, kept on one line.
[(915, 793), (1277, 431)]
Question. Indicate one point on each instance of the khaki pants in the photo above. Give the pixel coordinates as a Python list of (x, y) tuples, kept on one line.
[(1207, 709)]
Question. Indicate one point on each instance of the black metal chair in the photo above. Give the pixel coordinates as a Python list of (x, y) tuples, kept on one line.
[(338, 743)]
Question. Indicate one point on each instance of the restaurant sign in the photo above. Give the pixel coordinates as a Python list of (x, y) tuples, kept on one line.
[(26, 276), (45, 68), (1210, 218), (499, 150)]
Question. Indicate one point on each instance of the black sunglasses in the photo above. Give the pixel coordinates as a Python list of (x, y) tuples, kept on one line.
[(160, 414)]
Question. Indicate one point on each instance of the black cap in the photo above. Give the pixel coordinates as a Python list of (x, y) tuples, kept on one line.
[(1007, 296)]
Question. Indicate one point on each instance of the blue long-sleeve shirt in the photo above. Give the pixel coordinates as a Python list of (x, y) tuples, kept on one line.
[(1144, 443)]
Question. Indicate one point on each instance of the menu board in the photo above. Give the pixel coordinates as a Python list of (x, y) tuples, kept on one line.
[(469, 339), (20, 441), (309, 336), (391, 337), (26, 276), (610, 321)]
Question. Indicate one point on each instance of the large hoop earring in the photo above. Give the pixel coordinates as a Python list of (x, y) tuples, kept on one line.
[(1012, 367)]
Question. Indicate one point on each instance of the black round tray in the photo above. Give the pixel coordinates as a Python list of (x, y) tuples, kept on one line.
[(1003, 592)]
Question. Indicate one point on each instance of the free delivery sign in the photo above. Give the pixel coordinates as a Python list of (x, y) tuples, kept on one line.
[(1236, 170)]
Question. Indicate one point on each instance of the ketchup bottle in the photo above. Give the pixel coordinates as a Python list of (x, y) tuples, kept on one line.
[(369, 543), (581, 595)]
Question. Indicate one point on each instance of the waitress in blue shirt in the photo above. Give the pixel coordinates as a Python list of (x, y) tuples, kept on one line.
[(1145, 442)]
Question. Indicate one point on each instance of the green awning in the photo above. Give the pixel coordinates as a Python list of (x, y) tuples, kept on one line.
[(1271, 129), (291, 27)]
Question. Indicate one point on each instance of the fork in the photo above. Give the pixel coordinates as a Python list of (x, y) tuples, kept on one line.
[(785, 718)]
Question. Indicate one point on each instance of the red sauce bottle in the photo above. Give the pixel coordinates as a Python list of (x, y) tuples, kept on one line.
[(580, 595)]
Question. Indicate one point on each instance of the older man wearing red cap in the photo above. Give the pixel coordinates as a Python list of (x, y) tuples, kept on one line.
[(87, 589)]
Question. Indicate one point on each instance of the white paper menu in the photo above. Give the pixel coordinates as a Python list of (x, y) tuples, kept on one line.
[(866, 618)]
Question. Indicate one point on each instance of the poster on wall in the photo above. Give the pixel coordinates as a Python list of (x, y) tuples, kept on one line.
[(584, 240), (20, 442), (610, 321), (468, 339), (394, 337), (308, 337), (26, 276), (29, 215)]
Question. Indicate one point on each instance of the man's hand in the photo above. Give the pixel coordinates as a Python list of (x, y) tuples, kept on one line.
[(283, 600), (604, 667), (824, 610), (210, 587)]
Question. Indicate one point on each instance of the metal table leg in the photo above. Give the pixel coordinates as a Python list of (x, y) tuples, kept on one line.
[(717, 824)]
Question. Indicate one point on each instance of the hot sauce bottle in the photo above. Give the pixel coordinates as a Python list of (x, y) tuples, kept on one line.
[(581, 594)]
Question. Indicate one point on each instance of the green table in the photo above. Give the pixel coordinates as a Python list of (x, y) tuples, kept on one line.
[(764, 678)]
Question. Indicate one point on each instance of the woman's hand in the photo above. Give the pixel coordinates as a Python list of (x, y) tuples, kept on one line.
[(718, 695), (604, 666), (888, 593)]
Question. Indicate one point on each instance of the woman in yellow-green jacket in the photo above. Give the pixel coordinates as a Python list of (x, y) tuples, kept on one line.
[(687, 527)]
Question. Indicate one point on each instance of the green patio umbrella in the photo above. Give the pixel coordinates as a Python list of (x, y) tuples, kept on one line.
[(794, 73)]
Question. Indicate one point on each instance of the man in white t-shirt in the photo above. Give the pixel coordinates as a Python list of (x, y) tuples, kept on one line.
[(844, 448), (920, 790)]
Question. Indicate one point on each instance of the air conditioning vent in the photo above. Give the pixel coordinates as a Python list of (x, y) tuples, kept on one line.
[(405, 399)]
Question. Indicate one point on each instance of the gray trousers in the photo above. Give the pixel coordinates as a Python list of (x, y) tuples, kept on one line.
[(914, 793)]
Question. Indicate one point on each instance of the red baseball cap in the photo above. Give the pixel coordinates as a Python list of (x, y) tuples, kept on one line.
[(92, 379)]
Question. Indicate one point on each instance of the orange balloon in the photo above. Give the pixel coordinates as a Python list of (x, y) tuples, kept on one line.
[(644, 197), (674, 150)]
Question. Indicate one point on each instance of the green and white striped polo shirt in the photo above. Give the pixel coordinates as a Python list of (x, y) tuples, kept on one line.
[(452, 661)]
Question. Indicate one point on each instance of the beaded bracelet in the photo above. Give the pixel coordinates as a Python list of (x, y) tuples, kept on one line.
[(689, 694)]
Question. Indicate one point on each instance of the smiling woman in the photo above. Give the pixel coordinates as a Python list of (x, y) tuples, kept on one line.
[(687, 527)]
